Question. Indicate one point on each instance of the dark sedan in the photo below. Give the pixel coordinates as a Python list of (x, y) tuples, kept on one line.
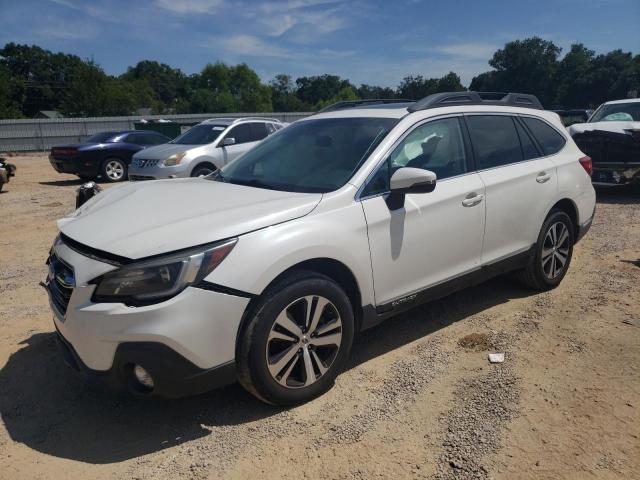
[(106, 155)]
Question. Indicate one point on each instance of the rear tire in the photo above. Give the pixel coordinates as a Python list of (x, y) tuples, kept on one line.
[(553, 251), (296, 341), (113, 170)]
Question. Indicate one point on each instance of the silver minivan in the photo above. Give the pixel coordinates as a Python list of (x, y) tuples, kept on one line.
[(202, 149)]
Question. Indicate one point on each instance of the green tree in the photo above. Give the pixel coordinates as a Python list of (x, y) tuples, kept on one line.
[(526, 66), (167, 84), (283, 94)]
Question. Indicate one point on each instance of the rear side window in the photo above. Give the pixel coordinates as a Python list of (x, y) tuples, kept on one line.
[(259, 131), (548, 138), (242, 133), (529, 150), (495, 140)]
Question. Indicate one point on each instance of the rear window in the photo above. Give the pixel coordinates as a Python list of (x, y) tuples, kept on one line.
[(548, 138), (495, 140)]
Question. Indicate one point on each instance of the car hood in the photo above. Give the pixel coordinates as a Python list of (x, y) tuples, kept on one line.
[(625, 127), (141, 219), (164, 151)]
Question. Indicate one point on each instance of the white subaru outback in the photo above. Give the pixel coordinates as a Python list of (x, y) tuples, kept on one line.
[(264, 271)]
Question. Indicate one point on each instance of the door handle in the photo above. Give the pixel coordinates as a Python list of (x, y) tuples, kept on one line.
[(472, 199), (543, 177)]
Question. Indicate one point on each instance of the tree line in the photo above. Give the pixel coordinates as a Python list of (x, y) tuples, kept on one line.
[(34, 79)]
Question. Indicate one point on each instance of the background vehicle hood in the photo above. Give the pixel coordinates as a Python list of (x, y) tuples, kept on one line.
[(164, 151), (140, 219), (626, 127)]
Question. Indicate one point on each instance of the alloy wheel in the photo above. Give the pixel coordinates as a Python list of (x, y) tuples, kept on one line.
[(555, 250), (114, 170), (304, 341)]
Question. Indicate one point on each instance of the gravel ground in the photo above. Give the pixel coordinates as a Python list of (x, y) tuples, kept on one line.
[(419, 398)]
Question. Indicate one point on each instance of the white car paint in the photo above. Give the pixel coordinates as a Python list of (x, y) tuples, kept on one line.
[(391, 254)]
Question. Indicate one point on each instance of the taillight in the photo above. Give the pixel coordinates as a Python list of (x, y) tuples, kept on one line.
[(587, 164)]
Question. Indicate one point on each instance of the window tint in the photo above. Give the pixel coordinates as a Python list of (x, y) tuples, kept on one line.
[(152, 139), (548, 138), (379, 183), (259, 131), (242, 133), (135, 138), (529, 150), (317, 155), (495, 140), (437, 146)]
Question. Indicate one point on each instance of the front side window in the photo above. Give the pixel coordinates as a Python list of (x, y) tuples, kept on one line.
[(309, 156), (548, 138), (201, 134), (494, 139), (617, 112), (437, 146)]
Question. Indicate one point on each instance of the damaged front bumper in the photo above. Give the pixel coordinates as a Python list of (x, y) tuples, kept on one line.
[(611, 174)]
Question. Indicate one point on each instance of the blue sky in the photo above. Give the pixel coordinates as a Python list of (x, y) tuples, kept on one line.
[(374, 42)]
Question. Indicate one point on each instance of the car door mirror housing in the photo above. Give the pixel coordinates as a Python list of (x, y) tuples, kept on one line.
[(412, 180), (228, 141)]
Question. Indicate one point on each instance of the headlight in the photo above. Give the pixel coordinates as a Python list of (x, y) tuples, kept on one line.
[(174, 159), (151, 281)]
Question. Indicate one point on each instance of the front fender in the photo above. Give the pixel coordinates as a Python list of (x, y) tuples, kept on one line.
[(261, 256)]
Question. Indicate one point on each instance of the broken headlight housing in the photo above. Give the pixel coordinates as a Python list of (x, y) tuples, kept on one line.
[(155, 280)]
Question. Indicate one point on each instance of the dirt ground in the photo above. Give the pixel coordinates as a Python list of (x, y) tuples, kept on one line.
[(418, 399)]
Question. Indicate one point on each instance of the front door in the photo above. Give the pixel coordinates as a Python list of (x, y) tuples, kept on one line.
[(435, 236)]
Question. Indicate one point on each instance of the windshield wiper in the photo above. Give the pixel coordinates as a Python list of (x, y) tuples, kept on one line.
[(253, 182)]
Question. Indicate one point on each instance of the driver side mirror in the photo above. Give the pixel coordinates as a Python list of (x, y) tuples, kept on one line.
[(228, 141), (409, 180), (413, 180)]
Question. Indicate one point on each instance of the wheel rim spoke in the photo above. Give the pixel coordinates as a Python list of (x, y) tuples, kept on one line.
[(555, 250), (287, 373), (320, 305), (283, 359), (564, 235), (327, 340), (288, 324), (310, 373), (328, 328), (319, 363), (276, 335)]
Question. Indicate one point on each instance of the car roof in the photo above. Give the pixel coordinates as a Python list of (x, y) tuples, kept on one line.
[(232, 120), (626, 100)]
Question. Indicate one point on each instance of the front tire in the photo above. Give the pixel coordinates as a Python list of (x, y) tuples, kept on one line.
[(113, 170), (203, 170), (553, 252), (297, 340)]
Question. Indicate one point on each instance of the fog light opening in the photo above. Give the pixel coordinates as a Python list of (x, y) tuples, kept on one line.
[(143, 377)]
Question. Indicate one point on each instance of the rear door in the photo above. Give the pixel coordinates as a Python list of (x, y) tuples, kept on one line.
[(519, 182), (246, 136)]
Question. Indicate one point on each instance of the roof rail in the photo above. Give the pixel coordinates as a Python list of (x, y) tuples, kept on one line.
[(448, 99), (356, 103), (268, 119)]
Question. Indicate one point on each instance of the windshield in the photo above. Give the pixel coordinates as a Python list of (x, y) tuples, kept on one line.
[(313, 156), (617, 112), (200, 134), (101, 137)]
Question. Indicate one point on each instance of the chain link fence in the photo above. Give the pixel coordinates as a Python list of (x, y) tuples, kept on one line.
[(42, 134)]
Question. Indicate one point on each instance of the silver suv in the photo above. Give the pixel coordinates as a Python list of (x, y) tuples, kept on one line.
[(202, 149)]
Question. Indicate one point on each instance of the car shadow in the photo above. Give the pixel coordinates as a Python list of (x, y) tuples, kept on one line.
[(47, 407), (64, 183), (621, 195)]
